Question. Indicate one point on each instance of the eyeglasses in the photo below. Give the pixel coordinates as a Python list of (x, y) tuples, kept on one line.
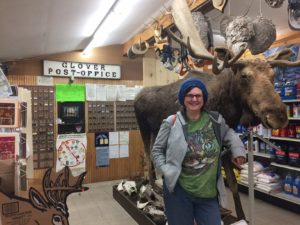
[(191, 96)]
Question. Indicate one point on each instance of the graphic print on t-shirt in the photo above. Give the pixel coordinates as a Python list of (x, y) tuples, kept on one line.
[(202, 151)]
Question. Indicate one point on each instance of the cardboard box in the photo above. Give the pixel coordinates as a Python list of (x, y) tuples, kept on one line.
[(7, 175)]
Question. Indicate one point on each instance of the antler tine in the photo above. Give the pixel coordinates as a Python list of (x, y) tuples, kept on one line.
[(237, 56), (274, 63), (184, 22), (190, 35), (284, 55), (58, 191)]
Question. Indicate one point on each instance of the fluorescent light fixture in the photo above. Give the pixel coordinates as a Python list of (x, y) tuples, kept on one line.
[(95, 19), (110, 5)]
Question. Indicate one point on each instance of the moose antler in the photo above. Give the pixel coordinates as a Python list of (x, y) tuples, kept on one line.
[(58, 191), (283, 56), (191, 40)]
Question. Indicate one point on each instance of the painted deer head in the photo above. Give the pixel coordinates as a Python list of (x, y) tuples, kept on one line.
[(50, 209)]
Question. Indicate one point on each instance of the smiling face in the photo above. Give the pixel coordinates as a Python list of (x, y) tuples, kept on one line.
[(193, 100)]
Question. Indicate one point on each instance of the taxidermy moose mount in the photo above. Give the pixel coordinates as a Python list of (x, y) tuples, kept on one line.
[(241, 90), (49, 210)]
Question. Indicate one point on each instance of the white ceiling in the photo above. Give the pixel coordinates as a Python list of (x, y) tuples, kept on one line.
[(31, 28)]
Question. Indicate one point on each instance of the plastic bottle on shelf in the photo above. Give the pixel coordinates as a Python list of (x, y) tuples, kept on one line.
[(281, 154), (288, 184), (296, 110), (272, 152), (296, 187), (297, 131), (289, 90), (294, 156), (298, 90), (279, 88)]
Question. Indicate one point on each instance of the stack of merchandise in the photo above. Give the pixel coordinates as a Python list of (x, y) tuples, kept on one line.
[(257, 169), (236, 173), (269, 181)]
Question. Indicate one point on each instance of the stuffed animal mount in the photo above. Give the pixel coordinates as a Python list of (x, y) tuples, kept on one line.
[(48, 208)]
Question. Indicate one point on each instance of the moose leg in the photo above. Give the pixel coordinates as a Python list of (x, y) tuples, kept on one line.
[(232, 183), (148, 140), (151, 172)]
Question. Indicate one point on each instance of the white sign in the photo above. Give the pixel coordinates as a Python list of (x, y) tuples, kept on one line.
[(82, 70)]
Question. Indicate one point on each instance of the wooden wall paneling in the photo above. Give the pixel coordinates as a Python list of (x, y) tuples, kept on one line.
[(32, 80), (290, 38), (90, 155), (131, 69), (149, 69), (154, 73), (164, 76), (136, 153), (119, 168), (22, 80)]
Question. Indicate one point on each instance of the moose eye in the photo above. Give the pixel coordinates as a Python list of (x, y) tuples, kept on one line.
[(56, 220), (245, 77)]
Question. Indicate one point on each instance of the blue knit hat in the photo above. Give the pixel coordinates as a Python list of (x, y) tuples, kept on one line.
[(187, 85)]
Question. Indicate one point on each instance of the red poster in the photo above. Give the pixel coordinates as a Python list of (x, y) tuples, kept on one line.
[(7, 147)]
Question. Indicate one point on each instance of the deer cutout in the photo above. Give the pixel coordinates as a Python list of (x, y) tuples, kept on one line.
[(50, 209)]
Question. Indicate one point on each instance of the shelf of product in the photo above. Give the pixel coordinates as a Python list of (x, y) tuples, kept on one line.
[(281, 195), (291, 100), (285, 139), (261, 154), (285, 166), (294, 118)]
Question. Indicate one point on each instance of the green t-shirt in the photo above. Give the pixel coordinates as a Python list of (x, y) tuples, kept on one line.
[(200, 165)]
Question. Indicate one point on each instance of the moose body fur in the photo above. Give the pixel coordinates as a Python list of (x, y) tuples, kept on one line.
[(244, 94)]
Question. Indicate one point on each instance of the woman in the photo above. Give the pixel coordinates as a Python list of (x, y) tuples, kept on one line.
[(187, 151)]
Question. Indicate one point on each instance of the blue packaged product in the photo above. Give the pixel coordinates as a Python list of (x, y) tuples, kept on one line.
[(279, 89), (296, 187), (290, 90), (288, 184)]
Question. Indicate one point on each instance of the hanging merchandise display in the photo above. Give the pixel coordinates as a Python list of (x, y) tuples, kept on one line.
[(274, 3)]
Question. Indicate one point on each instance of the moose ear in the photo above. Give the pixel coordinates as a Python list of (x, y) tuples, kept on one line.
[(37, 199)]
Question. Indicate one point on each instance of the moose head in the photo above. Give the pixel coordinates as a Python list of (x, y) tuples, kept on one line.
[(50, 209)]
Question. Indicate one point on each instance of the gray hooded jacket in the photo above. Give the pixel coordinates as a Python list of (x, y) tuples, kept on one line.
[(170, 148)]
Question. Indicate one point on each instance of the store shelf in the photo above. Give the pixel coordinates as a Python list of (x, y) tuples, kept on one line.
[(260, 154), (264, 155), (287, 197), (291, 100), (285, 139), (294, 118), (281, 195), (285, 166), (288, 202)]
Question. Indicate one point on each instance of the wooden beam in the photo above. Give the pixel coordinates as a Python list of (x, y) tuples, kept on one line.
[(164, 20)]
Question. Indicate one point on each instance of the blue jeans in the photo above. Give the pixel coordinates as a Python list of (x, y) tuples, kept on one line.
[(183, 209)]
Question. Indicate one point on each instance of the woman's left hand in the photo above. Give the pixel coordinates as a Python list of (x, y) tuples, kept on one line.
[(238, 161)]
